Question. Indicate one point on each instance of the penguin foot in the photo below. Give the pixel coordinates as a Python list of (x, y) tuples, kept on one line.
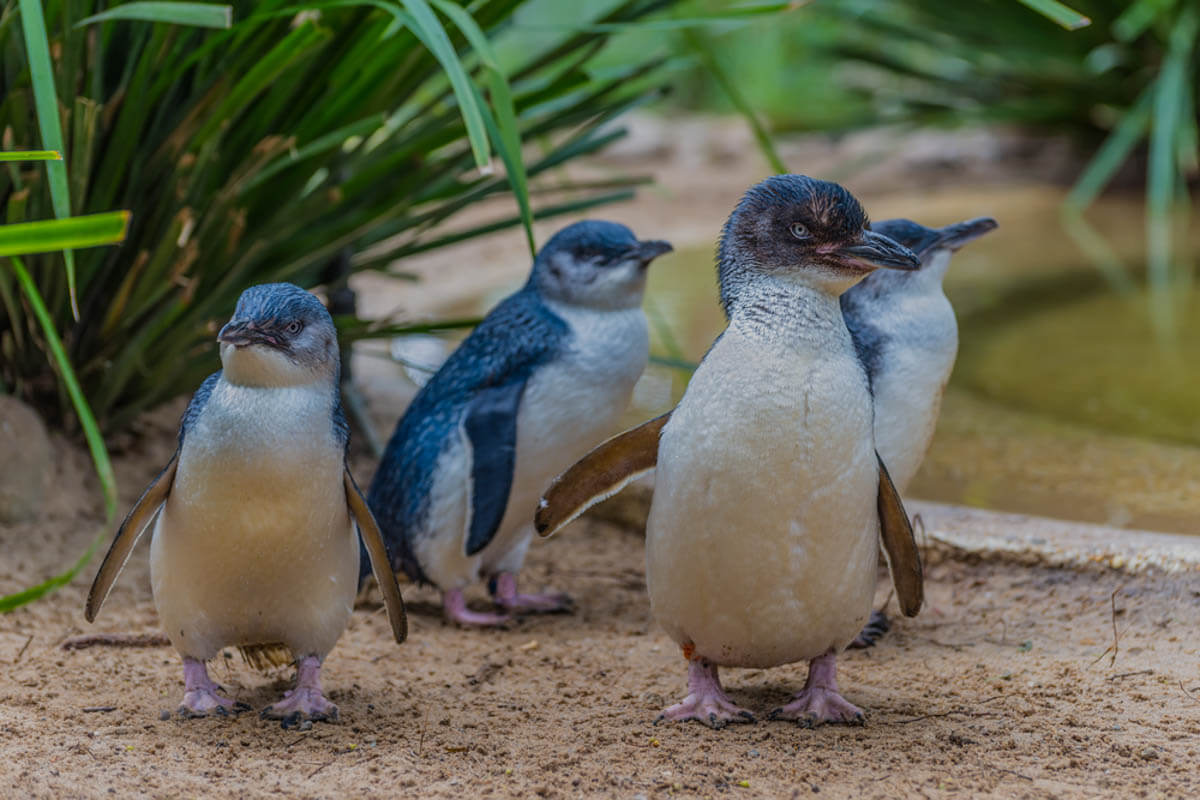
[(504, 591), (206, 702), (872, 632), (815, 707), (454, 605), (300, 705), (706, 702), (715, 711), (820, 701), (200, 698), (305, 703)]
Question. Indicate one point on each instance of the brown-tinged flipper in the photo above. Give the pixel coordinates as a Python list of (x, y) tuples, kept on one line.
[(381, 565), (900, 546), (599, 475), (127, 537)]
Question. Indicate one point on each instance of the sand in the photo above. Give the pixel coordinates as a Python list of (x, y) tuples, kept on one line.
[(1005, 686)]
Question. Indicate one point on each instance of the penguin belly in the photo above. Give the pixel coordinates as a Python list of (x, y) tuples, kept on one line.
[(255, 544), (761, 543), (909, 384), (569, 406)]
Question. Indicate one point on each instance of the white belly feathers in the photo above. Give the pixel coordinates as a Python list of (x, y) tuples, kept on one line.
[(762, 536), (255, 540)]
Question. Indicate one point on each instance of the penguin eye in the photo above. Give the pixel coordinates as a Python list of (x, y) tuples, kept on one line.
[(294, 327), (799, 230)]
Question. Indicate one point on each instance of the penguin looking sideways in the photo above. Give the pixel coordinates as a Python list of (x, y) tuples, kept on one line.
[(255, 542), (769, 498), (544, 377), (905, 332)]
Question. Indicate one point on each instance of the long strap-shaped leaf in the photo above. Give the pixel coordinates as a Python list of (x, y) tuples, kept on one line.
[(47, 236), (202, 15), (45, 98)]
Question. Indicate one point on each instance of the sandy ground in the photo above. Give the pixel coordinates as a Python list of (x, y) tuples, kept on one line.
[(1007, 685), (1002, 687)]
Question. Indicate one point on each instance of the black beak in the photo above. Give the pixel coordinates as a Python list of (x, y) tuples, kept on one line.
[(956, 235), (649, 250), (240, 334), (878, 250)]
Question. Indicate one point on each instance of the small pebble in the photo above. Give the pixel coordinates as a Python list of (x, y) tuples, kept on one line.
[(164, 715)]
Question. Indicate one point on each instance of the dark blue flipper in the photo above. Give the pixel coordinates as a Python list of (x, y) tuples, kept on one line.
[(491, 426)]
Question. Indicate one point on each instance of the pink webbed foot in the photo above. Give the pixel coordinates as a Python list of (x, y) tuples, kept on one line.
[(504, 591), (306, 701), (454, 606), (820, 702), (706, 701), (200, 698)]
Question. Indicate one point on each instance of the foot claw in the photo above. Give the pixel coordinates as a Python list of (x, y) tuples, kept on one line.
[(551, 603), (206, 702), (715, 712), (299, 706), (816, 706)]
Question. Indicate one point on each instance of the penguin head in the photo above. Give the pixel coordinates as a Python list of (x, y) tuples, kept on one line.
[(280, 335), (595, 264), (792, 229), (934, 246)]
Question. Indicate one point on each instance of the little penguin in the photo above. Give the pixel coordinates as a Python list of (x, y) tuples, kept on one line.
[(256, 513), (769, 497), (905, 332), (544, 377)]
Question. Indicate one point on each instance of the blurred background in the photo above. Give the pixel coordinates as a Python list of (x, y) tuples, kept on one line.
[(404, 158)]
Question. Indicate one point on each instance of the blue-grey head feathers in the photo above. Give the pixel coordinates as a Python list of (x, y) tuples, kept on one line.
[(594, 263), (759, 237)]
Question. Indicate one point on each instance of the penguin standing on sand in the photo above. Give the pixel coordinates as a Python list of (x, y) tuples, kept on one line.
[(544, 377), (255, 542), (905, 332), (769, 497)]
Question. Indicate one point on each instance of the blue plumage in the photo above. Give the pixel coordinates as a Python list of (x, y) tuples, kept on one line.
[(589, 271), (505, 349)]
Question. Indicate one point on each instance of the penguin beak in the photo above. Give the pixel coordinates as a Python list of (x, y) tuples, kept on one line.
[(955, 236), (649, 250), (877, 250), (240, 333)]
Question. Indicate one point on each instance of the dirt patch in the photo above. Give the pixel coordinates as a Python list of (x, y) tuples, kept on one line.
[(1001, 688)]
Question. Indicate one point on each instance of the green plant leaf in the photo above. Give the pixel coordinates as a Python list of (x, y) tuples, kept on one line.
[(706, 52), (91, 431), (30, 155), (1067, 17), (45, 97), (93, 230), (504, 129), (201, 15), (429, 30)]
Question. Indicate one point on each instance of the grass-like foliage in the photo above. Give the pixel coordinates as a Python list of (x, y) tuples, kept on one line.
[(301, 136)]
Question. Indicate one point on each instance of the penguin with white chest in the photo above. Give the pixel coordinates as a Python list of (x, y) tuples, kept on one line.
[(543, 378), (769, 497), (256, 539), (905, 332)]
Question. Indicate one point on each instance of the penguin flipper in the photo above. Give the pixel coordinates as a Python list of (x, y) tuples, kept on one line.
[(900, 546), (136, 521), (599, 475), (491, 427), (381, 565)]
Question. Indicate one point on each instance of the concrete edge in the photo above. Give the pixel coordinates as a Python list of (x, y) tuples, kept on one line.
[(995, 535), (963, 533)]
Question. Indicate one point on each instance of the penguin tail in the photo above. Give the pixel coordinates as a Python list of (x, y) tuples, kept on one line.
[(265, 657)]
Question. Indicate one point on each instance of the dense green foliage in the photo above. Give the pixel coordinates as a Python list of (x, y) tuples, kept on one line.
[(287, 143)]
